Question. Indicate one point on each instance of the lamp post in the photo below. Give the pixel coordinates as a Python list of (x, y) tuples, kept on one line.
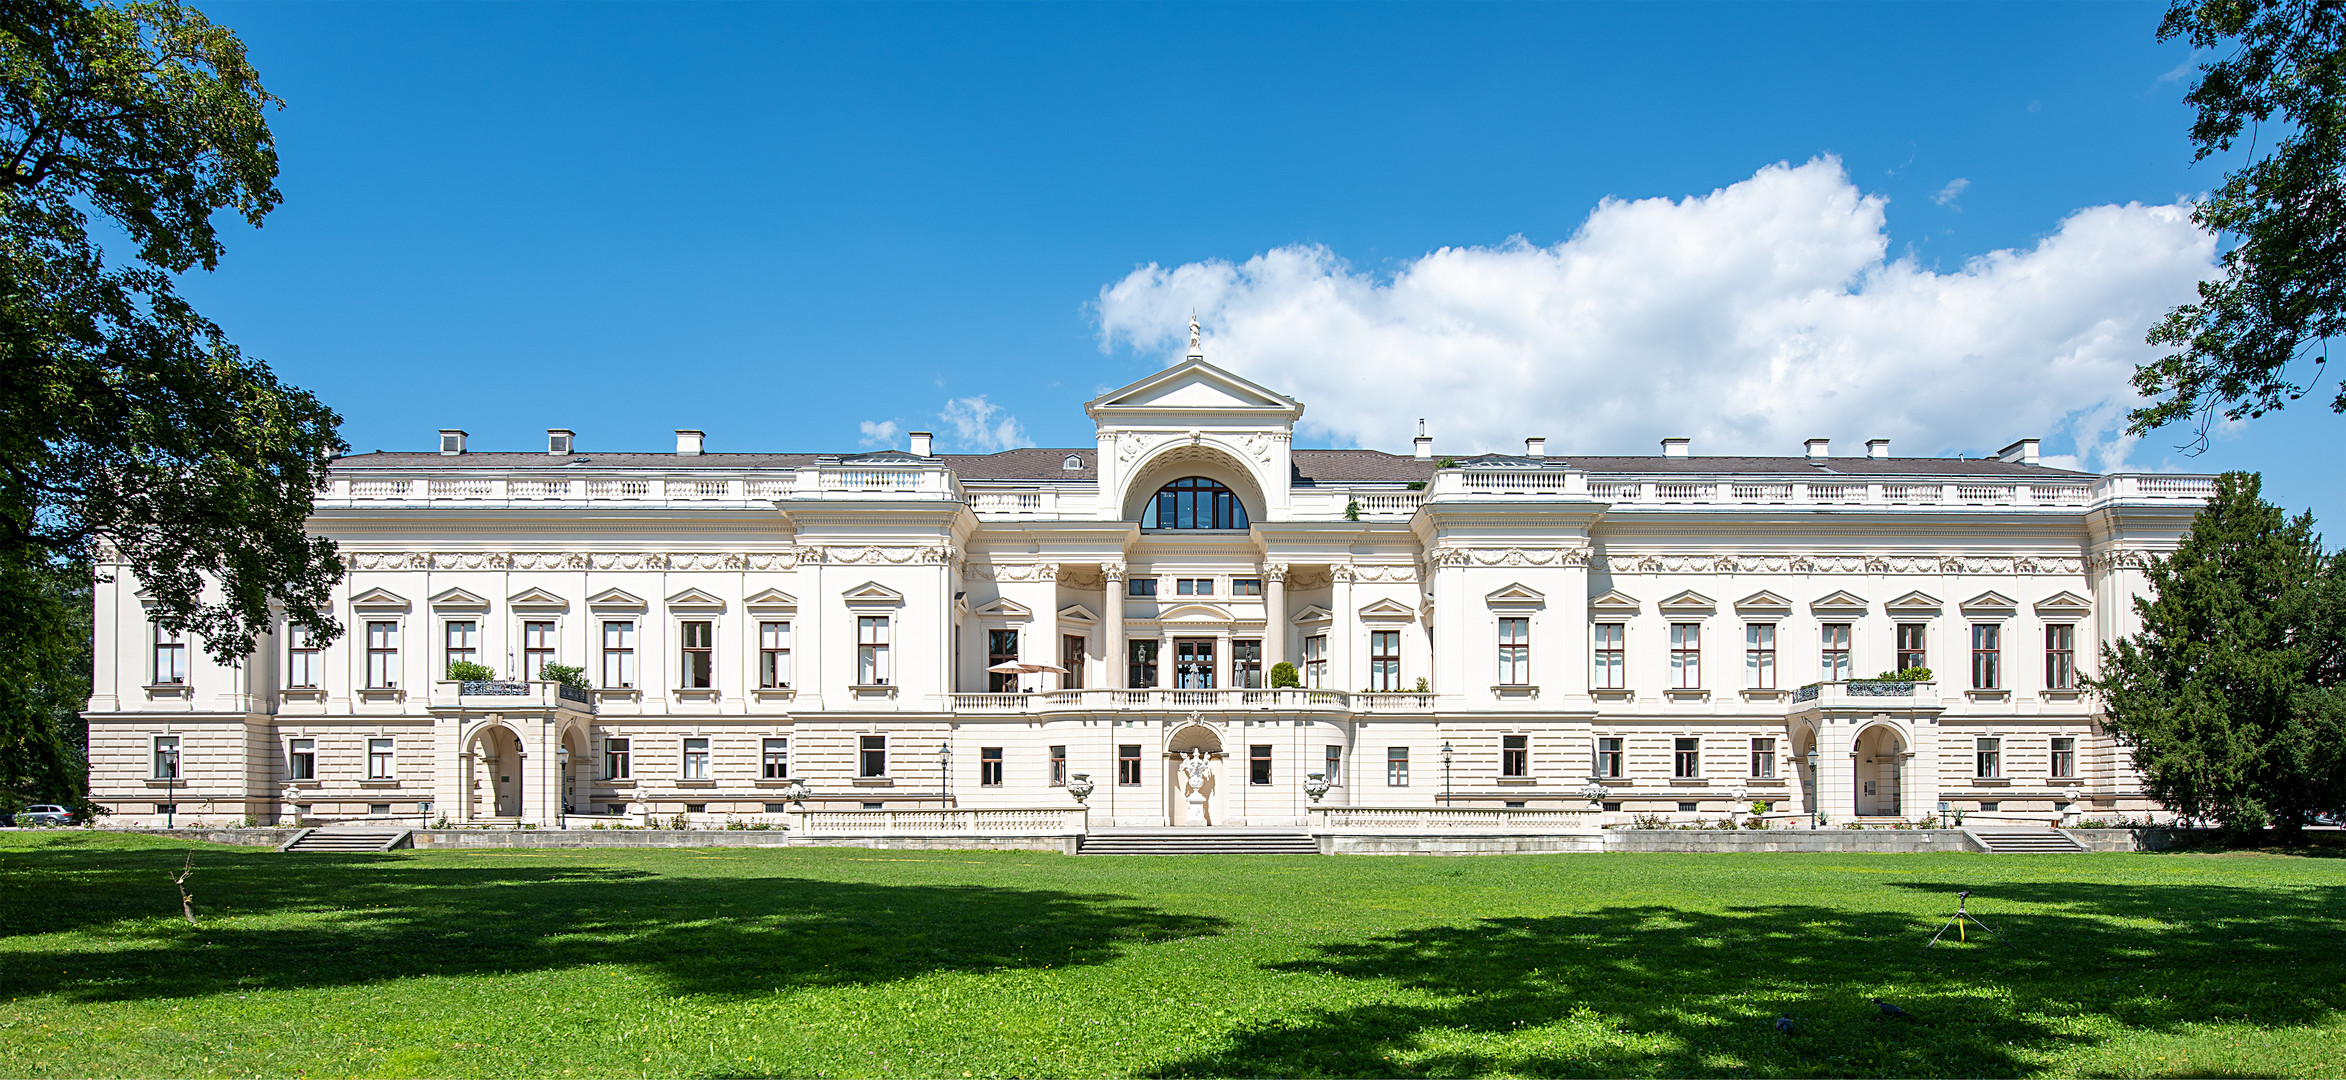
[(562, 772), (170, 783), (1446, 772), (944, 775), (1816, 787)]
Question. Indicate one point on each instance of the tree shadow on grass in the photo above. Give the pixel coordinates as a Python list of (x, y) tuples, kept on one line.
[(1662, 991), (370, 918)]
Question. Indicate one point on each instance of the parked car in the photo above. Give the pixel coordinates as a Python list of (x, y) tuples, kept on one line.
[(43, 814)]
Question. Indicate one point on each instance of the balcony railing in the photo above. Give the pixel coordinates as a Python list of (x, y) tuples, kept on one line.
[(1449, 819), (1187, 700), (1029, 822), (1858, 693), (508, 694)]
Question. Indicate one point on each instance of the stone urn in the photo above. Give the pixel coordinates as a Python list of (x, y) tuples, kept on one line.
[(1316, 786), (796, 792), (2070, 797), (1595, 793), (1738, 804), (1080, 786)]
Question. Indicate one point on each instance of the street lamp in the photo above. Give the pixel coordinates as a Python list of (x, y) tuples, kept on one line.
[(1446, 772), (1816, 787), (944, 775), (562, 770), (170, 782)]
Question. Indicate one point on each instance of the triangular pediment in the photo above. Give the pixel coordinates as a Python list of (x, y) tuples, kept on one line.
[(460, 600), (1193, 385), (615, 600), (1839, 602), (1387, 608), (1914, 603), (379, 599), (1196, 613), (1614, 602), (1005, 607), (1078, 615), (1764, 602), (872, 592), (697, 600), (1514, 593), (1990, 602), (535, 599), (1313, 613), (2064, 603), (1688, 602), (771, 600)]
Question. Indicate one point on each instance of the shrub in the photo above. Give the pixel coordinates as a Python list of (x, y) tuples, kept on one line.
[(1352, 510), (565, 674), (1423, 686), (467, 671), (1283, 677), (1912, 674)]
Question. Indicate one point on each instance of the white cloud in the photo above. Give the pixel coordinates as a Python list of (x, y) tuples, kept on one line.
[(1751, 318), (972, 425), (878, 434), (1947, 194)]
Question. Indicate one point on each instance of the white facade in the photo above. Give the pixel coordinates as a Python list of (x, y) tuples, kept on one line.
[(1653, 624)]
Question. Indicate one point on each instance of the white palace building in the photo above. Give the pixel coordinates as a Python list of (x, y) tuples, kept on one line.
[(765, 634)]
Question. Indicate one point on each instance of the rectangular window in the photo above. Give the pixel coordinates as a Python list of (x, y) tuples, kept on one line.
[(2061, 657), (1608, 640), (1143, 668), (696, 759), (1201, 586), (1071, 658), (166, 757), (1258, 764), (463, 643), (1140, 586), (871, 650), (1610, 759), (872, 756), (303, 664), (301, 759), (1685, 655), (1836, 665), (1193, 664), (1128, 765), (1911, 653), (619, 655), (170, 657), (1987, 657), (382, 655), (380, 764), (774, 760), (696, 654), (1315, 662), (1246, 586), (1001, 648), (1334, 769), (1991, 759), (1515, 652), (618, 761), (2064, 757), (1763, 759), (537, 649), (1686, 761), (1515, 755), (774, 655), (1759, 656), (989, 766), (1246, 663), (1058, 766), (1396, 766), (1384, 660)]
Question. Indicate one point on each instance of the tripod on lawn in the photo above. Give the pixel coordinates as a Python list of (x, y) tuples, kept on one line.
[(1960, 921)]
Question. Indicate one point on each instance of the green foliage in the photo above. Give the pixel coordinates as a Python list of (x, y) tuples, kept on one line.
[(467, 671), (1416, 485), (2229, 698), (565, 674), (1423, 686), (2256, 339), (1912, 674), (1352, 510), (1284, 677), (44, 681), (1446, 463)]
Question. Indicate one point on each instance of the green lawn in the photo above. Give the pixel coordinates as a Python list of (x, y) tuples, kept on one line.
[(853, 962)]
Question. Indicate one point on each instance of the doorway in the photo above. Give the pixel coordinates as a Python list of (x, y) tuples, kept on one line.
[(1880, 765), (1193, 663), (497, 761)]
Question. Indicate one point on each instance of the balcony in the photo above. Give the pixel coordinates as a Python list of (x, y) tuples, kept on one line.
[(1866, 694), (487, 695), (1170, 701)]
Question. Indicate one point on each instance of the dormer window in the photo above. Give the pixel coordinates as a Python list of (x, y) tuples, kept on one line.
[(1073, 462), (1193, 502)]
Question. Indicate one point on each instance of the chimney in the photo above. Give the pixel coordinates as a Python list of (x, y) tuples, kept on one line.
[(920, 443), (1424, 443), (2023, 452), (1535, 446), (1878, 449), (1678, 447), (1818, 448), (560, 440), (688, 443), (451, 441)]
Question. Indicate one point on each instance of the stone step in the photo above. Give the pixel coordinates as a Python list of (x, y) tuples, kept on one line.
[(343, 840), (2034, 841), (1200, 843)]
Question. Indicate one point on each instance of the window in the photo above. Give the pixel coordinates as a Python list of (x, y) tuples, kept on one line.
[(1384, 660), (871, 650), (1058, 766), (382, 655), (1515, 755), (989, 766), (1836, 666), (1073, 462), (1609, 758), (2061, 657), (775, 760), (1128, 765), (1990, 807), (1689, 808), (1911, 653), (1396, 766), (1143, 669), (537, 649), (872, 756), (1608, 640), (1315, 662), (696, 759), (619, 655), (1991, 758), (379, 759), (1515, 652), (1763, 759), (2064, 757), (1759, 656), (462, 639), (301, 759), (1686, 762), (1193, 502), (379, 809), (1246, 663), (1071, 657), (617, 761), (1258, 764), (1333, 771), (303, 665), (166, 757), (1246, 586), (1194, 586), (1193, 664), (170, 657), (1001, 648), (1140, 586), (696, 654), (1685, 655), (774, 655), (1987, 670)]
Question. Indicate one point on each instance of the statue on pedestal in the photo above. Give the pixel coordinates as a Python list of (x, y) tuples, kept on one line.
[(1196, 770)]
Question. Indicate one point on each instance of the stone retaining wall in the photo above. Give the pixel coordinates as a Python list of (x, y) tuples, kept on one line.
[(1815, 840), (1457, 844)]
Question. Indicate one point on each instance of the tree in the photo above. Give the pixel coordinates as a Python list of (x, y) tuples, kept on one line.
[(131, 429), (2228, 698), (2258, 336)]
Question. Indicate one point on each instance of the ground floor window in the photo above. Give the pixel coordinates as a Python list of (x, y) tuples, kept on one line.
[(990, 766), (1396, 766), (1128, 765), (617, 759), (776, 764), (2064, 757), (1763, 759), (1990, 754), (1334, 773), (696, 759), (1609, 758), (1515, 756), (379, 759), (1058, 766), (1686, 760), (872, 756), (1258, 764)]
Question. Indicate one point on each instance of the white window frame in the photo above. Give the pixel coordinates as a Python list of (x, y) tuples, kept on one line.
[(1608, 656), (873, 638), (693, 758), (624, 654), (774, 654), (773, 752), (169, 659), (619, 757), (1759, 656), (177, 769), (1685, 656), (1515, 650), (863, 746), (304, 663), (382, 758), (382, 660), (301, 751)]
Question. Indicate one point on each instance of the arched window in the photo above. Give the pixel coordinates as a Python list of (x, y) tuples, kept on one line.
[(1193, 502)]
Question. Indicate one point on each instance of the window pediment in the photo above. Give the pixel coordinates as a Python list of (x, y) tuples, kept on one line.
[(1312, 615), (696, 600), (1614, 602), (1688, 602), (873, 594), (1515, 594), (459, 600), (1913, 603), (1005, 608), (1387, 610), (771, 602), (1195, 613), (538, 600), (2064, 603), (1839, 602), (379, 601), (615, 600), (1078, 615), (1990, 603), (1764, 602)]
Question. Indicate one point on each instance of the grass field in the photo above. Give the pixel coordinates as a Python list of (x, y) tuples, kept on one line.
[(853, 963)]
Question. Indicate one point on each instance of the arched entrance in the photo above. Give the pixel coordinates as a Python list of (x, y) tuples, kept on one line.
[(1880, 764), (1804, 743), (496, 773), (1194, 742), (578, 771)]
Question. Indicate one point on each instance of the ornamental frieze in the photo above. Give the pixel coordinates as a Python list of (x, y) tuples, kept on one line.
[(1013, 572), (1511, 556), (1838, 564), (876, 555)]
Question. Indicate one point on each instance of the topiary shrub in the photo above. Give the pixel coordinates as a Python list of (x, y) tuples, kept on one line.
[(467, 671), (564, 674), (1283, 677)]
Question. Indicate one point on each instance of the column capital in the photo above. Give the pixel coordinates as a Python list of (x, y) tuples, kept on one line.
[(1341, 572), (1113, 571), (1275, 571)]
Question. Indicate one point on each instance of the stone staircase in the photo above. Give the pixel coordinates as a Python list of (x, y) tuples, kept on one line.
[(2025, 841), (345, 841), (1205, 841)]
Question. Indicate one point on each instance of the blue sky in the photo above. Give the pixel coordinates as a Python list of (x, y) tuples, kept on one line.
[(783, 223)]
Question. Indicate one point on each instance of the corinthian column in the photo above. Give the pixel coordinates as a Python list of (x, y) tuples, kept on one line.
[(1274, 616), (1112, 620), (1341, 630)]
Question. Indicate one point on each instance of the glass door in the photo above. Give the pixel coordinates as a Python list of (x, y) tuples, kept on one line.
[(1193, 664)]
